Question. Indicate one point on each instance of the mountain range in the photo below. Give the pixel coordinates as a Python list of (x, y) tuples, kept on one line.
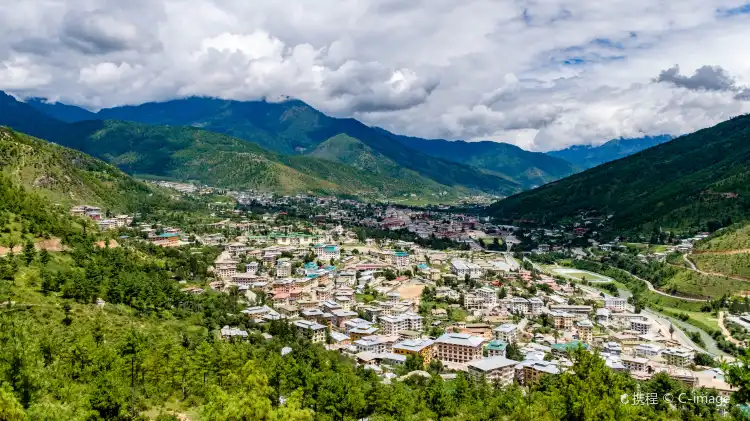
[(290, 147), (699, 181), (191, 153), (587, 156)]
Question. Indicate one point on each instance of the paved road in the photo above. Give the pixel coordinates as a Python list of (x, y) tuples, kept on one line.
[(689, 262)]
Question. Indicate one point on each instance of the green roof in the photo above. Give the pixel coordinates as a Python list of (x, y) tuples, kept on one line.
[(497, 345), (570, 346)]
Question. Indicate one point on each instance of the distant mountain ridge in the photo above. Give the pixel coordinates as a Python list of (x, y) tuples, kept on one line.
[(529, 169), (293, 127), (587, 156), (190, 153), (695, 182)]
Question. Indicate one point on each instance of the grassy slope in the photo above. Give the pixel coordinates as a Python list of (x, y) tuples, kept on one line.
[(726, 252), (65, 176), (679, 185)]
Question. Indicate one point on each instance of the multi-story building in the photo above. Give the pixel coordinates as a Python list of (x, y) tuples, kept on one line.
[(473, 302), (680, 357), (647, 350), (496, 348), (530, 371), (535, 306), (461, 268), (507, 333), (315, 331), (519, 305), (458, 348), (615, 304), (400, 259), (391, 325), (494, 369), (642, 326), (340, 316), (225, 266), (563, 319), (377, 343), (327, 251), (634, 363), (283, 268), (488, 295), (585, 331), (422, 347), (580, 311)]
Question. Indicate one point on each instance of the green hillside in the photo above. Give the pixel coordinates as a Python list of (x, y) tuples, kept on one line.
[(530, 169), (188, 153), (697, 182), (726, 252), (293, 127), (67, 177)]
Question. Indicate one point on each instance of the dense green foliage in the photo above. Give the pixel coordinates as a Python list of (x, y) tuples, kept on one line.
[(696, 182), (530, 169), (195, 153), (295, 127), (67, 177), (587, 156)]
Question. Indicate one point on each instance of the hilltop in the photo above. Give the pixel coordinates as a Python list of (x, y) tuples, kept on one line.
[(205, 156), (587, 156), (696, 182), (65, 176), (530, 169)]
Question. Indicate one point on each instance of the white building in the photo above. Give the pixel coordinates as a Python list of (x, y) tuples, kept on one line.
[(647, 350), (494, 369), (376, 343), (315, 331), (400, 259), (327, 251), (507, 333), (641, 326), (615, 304), (680, 357), (391, 325), (486, 294), (519, 305), (461, 268), (283, 268), (535, 306)]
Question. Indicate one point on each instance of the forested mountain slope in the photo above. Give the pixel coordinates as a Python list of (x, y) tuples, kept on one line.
[(587, 156), (696, 182)]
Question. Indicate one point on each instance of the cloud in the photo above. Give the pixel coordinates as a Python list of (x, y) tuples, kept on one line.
[(710, 78), (543, 74)]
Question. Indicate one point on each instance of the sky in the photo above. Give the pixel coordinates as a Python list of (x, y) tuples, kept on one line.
[(541, 74)]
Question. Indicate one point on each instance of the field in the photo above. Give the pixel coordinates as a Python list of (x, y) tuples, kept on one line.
[(693, 284), (580, 275), (728, 264)]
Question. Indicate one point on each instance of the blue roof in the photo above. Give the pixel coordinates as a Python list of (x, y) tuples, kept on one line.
[(422, 266), (311, 265), (169, 234), (401, 253)]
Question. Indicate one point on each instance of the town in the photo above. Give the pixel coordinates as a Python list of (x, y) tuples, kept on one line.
[(402, 290)]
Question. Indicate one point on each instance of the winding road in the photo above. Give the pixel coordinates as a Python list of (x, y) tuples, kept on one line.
[(652, 289)]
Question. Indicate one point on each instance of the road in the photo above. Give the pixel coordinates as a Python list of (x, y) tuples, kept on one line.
[(694, 268), (652, 289), (726, 331), (689, 262)]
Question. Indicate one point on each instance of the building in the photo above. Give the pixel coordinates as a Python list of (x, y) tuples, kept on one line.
[(486, 294), (647, 350), (562, 350), (530, 371), (391, 325), (422, 347), (377, 343), (634, 363), (496, 348), (640, 325), (458, 348), (507, 333), (232, 333), (679, 357), (585, 331), (283, 268), (327, 251), (461, 268), (400, 259), (494, 369), (580, 311), (563, 319), (315, 331), (535, 306), (616, 304), (603, 315), (225, 266), (519, 305)]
